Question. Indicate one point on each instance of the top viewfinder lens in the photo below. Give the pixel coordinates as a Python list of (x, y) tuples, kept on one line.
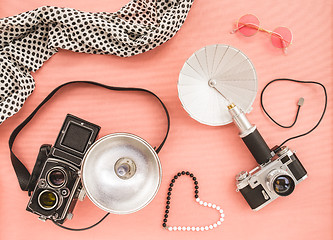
[(57, 177)]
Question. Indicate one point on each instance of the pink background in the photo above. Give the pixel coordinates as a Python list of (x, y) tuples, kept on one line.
[(214, 154)]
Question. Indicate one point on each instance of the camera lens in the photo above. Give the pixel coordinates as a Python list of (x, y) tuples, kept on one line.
[(47, 200), (283, 185), (56, 177)]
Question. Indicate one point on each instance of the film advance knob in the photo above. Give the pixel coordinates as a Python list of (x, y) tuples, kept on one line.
[(241, 176)]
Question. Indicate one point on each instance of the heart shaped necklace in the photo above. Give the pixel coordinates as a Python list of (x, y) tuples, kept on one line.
[(198, 200)]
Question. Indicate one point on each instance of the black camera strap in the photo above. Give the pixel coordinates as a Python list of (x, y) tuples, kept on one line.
[(26, 179)]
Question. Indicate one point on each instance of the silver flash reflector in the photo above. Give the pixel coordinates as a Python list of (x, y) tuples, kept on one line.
[(121, 173), (214, 77)]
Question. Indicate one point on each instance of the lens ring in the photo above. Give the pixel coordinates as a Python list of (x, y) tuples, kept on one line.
[(283, 185), (48, 200), (281, 37), (248, 25), (56, 177)]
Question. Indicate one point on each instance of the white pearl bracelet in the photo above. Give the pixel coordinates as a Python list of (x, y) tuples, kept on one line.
[(203, 228)]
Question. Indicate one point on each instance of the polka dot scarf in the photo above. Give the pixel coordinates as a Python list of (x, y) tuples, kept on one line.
[(29, 39)]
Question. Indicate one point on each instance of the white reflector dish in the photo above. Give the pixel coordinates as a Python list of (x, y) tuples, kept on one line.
[(233, 75)]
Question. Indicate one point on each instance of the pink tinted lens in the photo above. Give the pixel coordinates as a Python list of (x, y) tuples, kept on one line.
[(248, 25), (281, 37)]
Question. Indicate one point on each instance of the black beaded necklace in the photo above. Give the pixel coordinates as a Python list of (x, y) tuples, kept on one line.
[(196, 196)]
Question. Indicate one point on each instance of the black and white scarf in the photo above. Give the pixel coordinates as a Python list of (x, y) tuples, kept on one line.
[(29, 39)]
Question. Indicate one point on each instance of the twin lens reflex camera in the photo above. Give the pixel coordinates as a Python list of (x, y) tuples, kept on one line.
[(279, 169), (58, 186)]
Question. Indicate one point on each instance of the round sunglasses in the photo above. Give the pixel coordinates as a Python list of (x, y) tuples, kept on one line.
[(248, 25)]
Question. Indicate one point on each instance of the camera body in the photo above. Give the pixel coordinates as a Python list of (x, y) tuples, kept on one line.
[(277, 177), (58, 185)]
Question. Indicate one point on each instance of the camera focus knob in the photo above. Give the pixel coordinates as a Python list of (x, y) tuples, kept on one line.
[(82, 195), (241, 176), (69, 216)]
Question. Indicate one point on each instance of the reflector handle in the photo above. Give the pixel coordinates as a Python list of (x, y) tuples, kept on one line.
[(258, 147), (250, 135)]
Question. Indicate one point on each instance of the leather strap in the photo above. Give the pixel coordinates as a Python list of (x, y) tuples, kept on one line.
[(24, 178)]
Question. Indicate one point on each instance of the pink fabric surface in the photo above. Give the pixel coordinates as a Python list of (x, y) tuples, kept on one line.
[(214, 154)]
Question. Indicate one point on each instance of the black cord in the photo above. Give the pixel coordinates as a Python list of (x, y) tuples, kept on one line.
[(280, 125), (80, 229), (299, 106), (21, 171)]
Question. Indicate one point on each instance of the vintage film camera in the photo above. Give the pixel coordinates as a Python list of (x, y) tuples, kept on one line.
[(279, 169), (58, 185)]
